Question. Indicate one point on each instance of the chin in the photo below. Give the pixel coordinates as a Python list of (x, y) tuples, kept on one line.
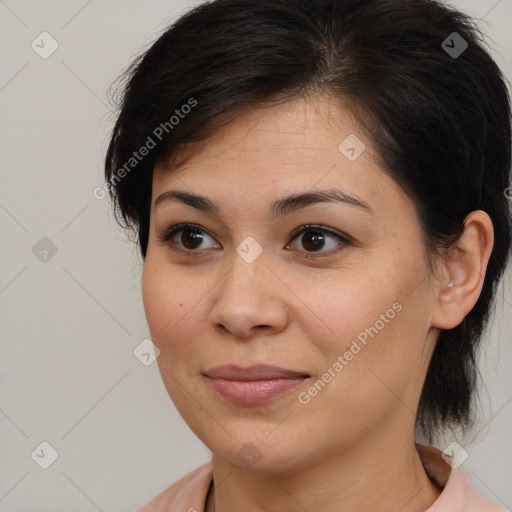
[(259, 453)]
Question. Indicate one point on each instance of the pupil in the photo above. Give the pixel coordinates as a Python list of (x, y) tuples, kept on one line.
[(310, 240), (194, 236)]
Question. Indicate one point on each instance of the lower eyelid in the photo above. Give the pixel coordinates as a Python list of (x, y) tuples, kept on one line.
[(322, 254)]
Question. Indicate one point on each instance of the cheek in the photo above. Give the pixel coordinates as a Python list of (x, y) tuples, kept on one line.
[(364, 329), (337, 311), (176, 309), (167, 302), (172, 307)]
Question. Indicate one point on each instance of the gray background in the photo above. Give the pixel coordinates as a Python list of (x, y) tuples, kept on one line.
[(69, 325)]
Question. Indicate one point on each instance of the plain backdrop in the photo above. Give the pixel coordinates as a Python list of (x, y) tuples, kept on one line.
[(70, 301)]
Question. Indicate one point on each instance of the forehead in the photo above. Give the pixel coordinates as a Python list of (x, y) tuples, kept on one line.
[(287, 148), (306, 127)]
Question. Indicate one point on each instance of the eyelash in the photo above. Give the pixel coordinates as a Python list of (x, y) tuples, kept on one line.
[(345, 239)]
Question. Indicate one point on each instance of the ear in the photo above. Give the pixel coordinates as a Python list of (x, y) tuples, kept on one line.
[(464, 266)]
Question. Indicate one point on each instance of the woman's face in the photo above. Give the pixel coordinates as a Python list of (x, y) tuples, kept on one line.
[(348, 302)]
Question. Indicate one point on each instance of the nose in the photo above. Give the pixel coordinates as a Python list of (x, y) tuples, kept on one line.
[(249, 299)]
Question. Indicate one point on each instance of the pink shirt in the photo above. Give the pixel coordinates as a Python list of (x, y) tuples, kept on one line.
[(458, 495)]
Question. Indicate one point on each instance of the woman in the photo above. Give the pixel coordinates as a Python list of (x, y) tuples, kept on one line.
[(319, 190)]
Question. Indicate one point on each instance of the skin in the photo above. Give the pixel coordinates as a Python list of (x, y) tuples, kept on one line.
[(352, 447)]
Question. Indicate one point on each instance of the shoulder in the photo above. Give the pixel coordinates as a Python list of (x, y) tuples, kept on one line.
[(461, 494), (458, 492), (185, 495)]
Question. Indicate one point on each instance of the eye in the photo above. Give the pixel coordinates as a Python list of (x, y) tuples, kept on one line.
[(315, 238), (189, 241)]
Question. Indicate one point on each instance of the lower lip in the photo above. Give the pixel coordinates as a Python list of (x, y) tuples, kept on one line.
[(254, 391)]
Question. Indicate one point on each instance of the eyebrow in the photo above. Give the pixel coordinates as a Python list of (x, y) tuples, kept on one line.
[(279, 208)]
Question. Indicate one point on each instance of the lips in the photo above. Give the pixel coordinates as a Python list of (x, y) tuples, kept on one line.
[(255, 384), (260, 372)]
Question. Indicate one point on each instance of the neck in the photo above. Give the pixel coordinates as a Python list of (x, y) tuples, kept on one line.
[(382, 477)]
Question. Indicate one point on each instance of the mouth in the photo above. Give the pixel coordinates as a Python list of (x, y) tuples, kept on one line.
[(254, 384)]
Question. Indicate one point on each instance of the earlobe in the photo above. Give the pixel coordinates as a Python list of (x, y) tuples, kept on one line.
[(464, 271)]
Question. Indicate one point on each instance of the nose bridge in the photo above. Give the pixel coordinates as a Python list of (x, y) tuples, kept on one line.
[(244, 299), (247, 268)]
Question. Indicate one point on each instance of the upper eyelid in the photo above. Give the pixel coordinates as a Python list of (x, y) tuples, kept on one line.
[(298, 231)]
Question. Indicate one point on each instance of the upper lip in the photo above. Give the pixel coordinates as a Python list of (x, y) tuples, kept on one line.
[(258, 372)]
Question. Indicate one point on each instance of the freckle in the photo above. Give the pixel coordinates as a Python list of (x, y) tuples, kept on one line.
[(181, 305)]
